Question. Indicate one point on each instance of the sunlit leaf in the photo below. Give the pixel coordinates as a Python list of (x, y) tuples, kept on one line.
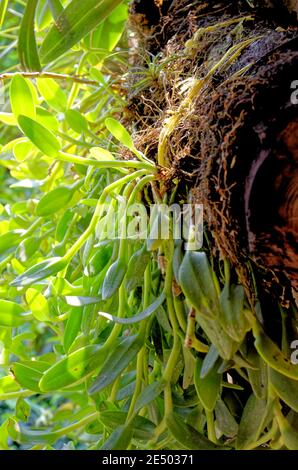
[(76, 121), (53, 201), (40, 271), (38, 304)]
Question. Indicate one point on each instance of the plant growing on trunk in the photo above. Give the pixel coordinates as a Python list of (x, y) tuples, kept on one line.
[(111, 339)]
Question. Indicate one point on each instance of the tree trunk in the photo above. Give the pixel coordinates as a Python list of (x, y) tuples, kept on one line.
[(213, 98)]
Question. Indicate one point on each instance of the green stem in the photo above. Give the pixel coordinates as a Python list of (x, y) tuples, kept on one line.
[(117, 328), (160, 428), (67, 157), (180, 313), (123, 241), (31, 229), (62, 317), (227, 271), (168, 399), (72, 140), (191, 341)]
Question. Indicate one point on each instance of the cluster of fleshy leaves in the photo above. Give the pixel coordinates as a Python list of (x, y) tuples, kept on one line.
[(111, 343)]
